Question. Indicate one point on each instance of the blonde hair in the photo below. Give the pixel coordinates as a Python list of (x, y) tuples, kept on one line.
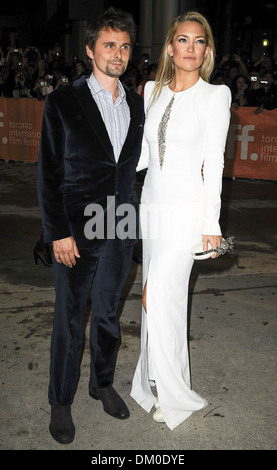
[(166, 68)]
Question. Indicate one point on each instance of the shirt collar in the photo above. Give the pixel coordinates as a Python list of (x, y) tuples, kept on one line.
[(96, 88)]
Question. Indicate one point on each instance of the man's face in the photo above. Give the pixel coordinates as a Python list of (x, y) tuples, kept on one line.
[(111, 53)]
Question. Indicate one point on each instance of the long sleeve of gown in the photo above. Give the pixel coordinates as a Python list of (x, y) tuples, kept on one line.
[(218, 121)]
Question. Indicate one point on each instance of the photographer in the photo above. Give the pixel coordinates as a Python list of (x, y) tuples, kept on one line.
[(239, 92), (14, 57), (264, 64), (55, 56), (62, 81), (30, 77), (32, 54), (78, 70), (254, 79), (20, 89), (13, 42), (3, 78), (263, 92), (41, 68), (232, 66), (14, 61), (43, 86)]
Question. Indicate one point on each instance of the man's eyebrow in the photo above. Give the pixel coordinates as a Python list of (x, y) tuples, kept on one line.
[(113, 42)]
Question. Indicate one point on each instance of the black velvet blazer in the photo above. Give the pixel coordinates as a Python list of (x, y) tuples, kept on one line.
[(76, 164)]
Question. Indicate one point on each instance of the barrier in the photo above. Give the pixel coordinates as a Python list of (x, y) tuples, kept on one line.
[(20, 126), (251, 149)]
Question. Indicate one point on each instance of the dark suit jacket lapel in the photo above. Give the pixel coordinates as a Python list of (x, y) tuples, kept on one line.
[(90, 108)]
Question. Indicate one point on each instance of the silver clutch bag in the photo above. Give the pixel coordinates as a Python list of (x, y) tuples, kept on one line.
[(225, 246)]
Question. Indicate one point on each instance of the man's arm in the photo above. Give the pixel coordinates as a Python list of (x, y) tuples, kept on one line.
[(50, 175)]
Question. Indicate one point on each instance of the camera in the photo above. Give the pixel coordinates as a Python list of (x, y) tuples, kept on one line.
[(264, 82), (21, 77), (43, 83), (50, 77), (15, 50), (64, 80), (254, 79)]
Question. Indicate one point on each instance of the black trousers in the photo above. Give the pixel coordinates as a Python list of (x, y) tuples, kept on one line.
[(104, 271)]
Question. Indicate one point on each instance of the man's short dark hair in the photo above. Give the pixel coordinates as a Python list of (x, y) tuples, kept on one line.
[(112, 19)]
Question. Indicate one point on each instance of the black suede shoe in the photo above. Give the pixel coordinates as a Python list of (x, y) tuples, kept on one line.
[(61, 425), (112, 402)]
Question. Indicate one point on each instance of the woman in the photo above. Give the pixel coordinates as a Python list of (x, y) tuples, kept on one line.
[(186, 126), (41, 69), (239, 92)]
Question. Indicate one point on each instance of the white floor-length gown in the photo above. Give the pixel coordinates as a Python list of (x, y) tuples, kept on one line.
[(177, 207)]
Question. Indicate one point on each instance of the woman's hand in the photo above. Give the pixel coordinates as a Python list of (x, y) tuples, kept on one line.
[(214, 240)]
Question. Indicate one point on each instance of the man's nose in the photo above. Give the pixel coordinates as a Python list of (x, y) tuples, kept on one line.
[(117, 52)]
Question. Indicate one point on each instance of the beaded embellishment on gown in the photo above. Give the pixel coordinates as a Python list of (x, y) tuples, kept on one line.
[(162, 131)]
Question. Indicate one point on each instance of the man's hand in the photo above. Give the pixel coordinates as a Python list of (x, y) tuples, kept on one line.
[(65, 250)]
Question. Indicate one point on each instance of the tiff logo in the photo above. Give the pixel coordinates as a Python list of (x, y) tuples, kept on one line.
[(243, 137)]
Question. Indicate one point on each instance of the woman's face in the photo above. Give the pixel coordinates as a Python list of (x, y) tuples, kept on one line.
[(240, 83), (41, 64), (189, 46)]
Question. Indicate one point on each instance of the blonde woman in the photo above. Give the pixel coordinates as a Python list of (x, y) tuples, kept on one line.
[(187, 121)]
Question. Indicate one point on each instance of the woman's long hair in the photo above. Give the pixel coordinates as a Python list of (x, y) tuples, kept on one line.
[(166, 68)]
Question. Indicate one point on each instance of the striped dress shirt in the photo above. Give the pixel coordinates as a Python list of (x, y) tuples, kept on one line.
[(116, 115)]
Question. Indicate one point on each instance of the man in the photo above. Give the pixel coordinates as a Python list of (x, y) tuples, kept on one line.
[(90, 146)]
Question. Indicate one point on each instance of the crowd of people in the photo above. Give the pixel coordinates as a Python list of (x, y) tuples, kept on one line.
[(33, 73), (253, 85)]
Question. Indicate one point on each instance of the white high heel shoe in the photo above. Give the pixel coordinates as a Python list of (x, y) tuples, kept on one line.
[(158, 416)]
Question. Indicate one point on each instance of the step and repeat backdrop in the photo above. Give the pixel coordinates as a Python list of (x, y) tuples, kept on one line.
[(251, 148)]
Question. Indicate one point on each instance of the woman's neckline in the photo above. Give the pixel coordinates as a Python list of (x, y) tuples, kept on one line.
[(186, 89)]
